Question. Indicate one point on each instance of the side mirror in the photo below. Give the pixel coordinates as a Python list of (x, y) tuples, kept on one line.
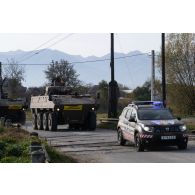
[(132, 119), (179, 118)]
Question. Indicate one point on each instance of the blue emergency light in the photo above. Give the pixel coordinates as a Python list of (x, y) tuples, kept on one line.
[(149, 104), (158, 104)]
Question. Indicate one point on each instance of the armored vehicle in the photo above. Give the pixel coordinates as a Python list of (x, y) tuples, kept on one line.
[(11, 109), (59, 106)]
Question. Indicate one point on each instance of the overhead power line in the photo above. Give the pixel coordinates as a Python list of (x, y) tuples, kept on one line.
[(106, 59), (125, 61), (42, 50), (88, 61), (28, 53)]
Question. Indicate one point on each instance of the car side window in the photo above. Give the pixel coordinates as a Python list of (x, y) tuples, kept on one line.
[(128, 114)]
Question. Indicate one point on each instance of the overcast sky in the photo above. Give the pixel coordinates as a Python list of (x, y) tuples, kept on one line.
[(81, 44)]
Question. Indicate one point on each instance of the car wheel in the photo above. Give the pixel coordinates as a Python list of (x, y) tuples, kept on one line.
[(139, 146), (45, 121), (182, 146), (40, 121), (92, 121), (52, 121), (121, 140), (34, 121)]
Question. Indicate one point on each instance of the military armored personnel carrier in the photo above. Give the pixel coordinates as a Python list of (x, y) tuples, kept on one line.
[(11, 109), (61, 106)]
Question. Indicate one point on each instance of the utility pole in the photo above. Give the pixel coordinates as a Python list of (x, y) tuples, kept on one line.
[(113, 86), (163, 71), (153, 76), (1, 81)]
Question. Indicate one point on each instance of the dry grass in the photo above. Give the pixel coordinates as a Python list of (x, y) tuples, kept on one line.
[(14, 133)]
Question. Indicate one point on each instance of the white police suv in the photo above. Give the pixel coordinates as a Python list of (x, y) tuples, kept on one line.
[(148, 123)]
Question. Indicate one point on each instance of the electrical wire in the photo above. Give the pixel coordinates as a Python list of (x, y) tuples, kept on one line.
[(82, 62), (126, 64), (28, 53), (106, 59), (42, 50)]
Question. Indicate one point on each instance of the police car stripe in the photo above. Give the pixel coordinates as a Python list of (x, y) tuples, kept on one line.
[(146, 136)]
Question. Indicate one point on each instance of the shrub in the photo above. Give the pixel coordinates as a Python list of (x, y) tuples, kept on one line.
[(14, 150), (2, 145), (1, 129)]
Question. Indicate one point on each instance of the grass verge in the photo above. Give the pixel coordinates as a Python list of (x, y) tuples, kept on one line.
[(14, 146), (58, 157), (107, 125)]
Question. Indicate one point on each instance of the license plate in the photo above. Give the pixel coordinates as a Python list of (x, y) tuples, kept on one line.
[(73, 107), (171, 137), (15, 107)]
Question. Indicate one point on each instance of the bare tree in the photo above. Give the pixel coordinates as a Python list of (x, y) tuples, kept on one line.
[(15, 75)]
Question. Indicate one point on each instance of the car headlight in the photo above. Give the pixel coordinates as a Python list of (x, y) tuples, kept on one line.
[(148, 129), (183, 127)]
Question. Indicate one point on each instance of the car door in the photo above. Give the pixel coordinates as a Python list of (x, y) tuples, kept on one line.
[(132, 125), (122, 120), (126, 132)]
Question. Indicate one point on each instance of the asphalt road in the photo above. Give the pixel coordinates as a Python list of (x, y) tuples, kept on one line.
[(101, 146)]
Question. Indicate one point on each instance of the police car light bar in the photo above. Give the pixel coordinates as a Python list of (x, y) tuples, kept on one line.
[(154, 104)]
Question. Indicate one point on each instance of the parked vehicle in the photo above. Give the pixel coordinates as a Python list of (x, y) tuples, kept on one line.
[(149, 124)]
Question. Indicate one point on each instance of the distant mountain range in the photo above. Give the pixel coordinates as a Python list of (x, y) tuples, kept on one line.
[(130, 71)]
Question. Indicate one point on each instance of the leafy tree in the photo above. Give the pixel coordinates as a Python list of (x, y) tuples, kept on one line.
[(142, 93), (180, 72), (157, 90), (63, 70), (15, 75)]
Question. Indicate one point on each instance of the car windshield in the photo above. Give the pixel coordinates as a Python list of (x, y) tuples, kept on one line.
[(154, 114)]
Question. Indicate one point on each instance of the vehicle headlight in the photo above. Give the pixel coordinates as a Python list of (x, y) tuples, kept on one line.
[(148, 129), (183, 127)]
